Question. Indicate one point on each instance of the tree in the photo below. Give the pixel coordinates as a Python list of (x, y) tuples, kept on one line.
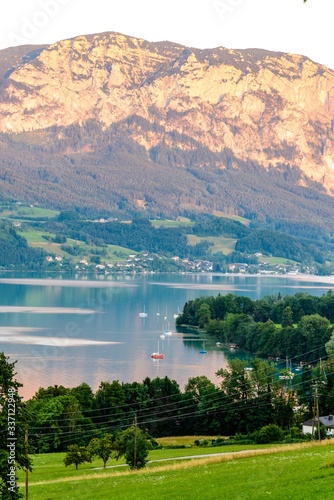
[(203, 315), (204, 403), (76, 455), (103, 448), (287, 317), (133, 445), (270, 434), (13, 422)]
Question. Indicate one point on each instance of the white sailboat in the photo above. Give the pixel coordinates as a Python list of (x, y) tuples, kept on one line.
[(166, 331), (143, 314), (176, 315)]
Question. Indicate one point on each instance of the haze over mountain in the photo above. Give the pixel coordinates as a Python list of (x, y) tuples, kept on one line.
[(114, 124)]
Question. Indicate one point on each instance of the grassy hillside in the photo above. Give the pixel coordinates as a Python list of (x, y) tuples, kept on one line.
[(302, 471), (37, 239), (219, 243)]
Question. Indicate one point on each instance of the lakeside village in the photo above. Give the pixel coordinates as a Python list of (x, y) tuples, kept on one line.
[(144, 262)]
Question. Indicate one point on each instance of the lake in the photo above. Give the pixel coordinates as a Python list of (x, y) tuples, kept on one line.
[(66, 331)]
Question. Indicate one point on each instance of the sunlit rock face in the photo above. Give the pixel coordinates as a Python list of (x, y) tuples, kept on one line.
[(270, 108)]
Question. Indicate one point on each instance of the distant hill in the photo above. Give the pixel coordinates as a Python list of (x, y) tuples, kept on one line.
[(108, 124)]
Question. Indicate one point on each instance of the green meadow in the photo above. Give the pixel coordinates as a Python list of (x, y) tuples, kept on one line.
[(35, 238), (28, 212), (301, 471), (219, 243)]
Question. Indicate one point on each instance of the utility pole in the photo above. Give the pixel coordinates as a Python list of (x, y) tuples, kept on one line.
[(314, 412), (135, 445), (26, 437), (318, 416)]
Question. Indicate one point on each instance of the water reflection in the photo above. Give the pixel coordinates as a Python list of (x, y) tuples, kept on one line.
[(66, 331)]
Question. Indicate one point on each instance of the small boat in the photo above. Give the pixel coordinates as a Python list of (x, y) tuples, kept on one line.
[(157, 355), (176, 315), (166, 331), (202, 351), (143, 314)]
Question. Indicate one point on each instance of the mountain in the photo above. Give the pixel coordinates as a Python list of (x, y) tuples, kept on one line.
[(115, 124)]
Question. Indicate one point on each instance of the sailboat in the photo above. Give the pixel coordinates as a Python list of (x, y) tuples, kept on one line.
[(143, 314), (157, 355), (176, 315), (166, 330)]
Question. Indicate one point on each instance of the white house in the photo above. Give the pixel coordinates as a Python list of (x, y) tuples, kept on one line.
[(312, 425)]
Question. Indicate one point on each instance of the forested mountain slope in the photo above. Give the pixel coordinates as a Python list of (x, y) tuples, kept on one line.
[(114, 124)]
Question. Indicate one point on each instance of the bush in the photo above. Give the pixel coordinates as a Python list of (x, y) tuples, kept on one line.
[(270, 434), (201, 442)]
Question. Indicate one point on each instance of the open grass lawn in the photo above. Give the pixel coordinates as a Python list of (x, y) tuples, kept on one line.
[(220, 243), (287, 472), (181, 221), (244, 221), (29, 212), (276, 260)]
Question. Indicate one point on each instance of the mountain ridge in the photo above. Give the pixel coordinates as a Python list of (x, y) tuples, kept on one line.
[(121, 107)]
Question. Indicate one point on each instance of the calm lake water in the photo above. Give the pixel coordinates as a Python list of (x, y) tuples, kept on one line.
[(68, 331)]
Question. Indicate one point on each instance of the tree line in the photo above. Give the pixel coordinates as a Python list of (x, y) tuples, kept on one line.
[(297, 327)]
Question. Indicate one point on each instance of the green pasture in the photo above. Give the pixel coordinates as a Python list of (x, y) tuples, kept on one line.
[(276, 260), (27, 212), (244, 221), (294, 472), (179, 222), (220, 243), (35, 238)]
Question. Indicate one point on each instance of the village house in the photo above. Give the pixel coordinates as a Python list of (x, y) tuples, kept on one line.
[(311, 426)]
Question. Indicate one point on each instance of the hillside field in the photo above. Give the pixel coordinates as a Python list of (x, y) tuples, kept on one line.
[(300, 471)]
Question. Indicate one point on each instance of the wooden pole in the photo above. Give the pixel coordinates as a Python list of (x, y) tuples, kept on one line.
[(318, 416), (135, 445), (314, 411)]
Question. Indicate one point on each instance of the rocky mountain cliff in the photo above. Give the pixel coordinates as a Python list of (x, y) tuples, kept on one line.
[(222, 129)]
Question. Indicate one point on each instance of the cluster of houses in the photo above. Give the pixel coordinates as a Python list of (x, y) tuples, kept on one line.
[(143, 261)]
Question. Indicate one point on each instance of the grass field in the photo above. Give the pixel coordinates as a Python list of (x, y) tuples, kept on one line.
[(292, 472), (220, 243), (181, 221), (35, 239), (244, 221), (277, 260), (27, 212)]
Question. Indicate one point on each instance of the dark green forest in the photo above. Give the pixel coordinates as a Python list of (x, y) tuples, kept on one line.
[(15, 252), (102, 172), (295, 327)]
